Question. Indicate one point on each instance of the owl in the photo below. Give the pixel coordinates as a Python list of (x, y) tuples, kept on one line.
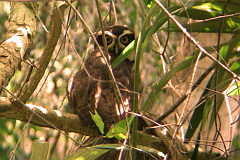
[(92, 89)]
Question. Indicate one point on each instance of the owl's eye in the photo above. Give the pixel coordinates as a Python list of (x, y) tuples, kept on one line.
[(109, 39), (124, 39)]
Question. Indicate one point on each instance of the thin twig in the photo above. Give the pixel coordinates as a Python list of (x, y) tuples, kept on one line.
[(177, 104), (219, 17), (194, 41)]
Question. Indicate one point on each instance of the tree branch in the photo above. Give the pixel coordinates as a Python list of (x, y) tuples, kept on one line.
[(21, 29), (44, 117), (55, 30), (47, 117)]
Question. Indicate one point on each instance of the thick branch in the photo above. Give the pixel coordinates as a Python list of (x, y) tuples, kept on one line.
[(45, 117), (22, 26), (55, 30)]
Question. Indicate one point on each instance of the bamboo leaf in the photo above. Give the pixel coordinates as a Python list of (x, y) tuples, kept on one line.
[(93, 152), (120, 129), (228, 26), (210, 13), (149, 3), (90, 153), (234, 90), (125, 53), (201, 113), (190, 60), (198, 114), (98, 121), (223, 78)]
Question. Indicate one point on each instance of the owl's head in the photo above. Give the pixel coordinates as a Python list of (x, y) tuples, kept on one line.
[(118, 37)]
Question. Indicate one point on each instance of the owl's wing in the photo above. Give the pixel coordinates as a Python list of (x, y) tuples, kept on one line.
[(77, 90), (90, 89)]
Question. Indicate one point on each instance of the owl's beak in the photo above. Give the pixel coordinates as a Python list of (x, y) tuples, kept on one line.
[(117, 49)]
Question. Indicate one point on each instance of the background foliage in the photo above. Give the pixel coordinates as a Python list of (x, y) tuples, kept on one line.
[(169, 65)]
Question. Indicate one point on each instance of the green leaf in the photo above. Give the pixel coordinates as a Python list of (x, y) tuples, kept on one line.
[(93, 152), (209, 14), (234, 89), (228, 26), (235, 66), (149, 3), (119, 130), (223, 78), (90, 153), (201, 113), (125, 53), (199, 10), (198, 113), (98, 121), (187, 62)]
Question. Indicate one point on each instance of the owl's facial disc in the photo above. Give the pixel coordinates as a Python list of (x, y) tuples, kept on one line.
[(109, 39), (125, 39), (117, 38)]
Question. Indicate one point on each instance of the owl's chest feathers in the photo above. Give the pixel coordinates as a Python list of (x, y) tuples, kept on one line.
[(92, 88), (97, 67)]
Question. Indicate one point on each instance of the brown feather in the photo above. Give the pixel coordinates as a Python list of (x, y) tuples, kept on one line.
[(91, 89)]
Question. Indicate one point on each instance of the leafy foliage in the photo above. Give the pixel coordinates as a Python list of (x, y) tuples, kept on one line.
[(98, 121), (96, 151), (120, 129)]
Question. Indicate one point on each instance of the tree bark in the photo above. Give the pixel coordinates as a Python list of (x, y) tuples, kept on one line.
[(22, 27), (54, 33), (44, 117), (47, 117)]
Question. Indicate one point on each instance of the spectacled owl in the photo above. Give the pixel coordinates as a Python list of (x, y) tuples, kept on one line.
[(91, 88)]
